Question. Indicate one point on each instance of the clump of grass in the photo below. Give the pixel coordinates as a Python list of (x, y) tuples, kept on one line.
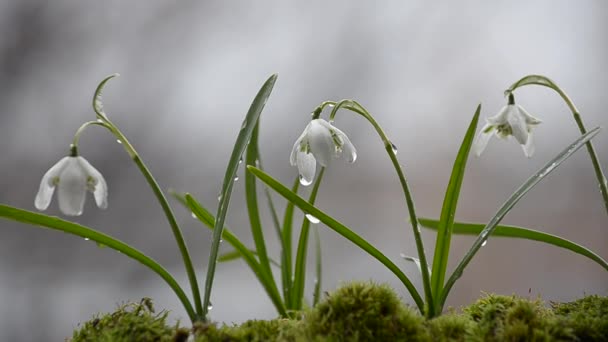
[(130, 322)]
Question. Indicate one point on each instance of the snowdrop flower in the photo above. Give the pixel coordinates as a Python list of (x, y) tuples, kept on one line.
[(320, 142), (73, 175), (511, 120)]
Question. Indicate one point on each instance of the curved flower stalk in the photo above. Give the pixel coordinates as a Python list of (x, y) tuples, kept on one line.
[(73, 176), (320, 142), (546, 82), (512, 120)]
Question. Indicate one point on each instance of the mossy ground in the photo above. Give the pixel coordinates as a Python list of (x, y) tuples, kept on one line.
[(363, 311)]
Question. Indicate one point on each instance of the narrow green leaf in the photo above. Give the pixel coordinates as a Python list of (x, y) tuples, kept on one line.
[(319, 269), (509, 204), (520, 233), (531, 79), (299, 278), (251, 196), (56, 223), (287, 241), (207, 218), (448, 211), (236, 255), (340, 229), (239, 147)]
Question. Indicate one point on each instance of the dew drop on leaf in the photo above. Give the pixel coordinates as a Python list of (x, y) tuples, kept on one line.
[(312, 219)]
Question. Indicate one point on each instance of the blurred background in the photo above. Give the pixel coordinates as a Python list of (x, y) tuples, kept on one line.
[(189, 71)]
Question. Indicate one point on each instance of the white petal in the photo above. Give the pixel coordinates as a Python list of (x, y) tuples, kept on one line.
[(347, 147), (72, 188), (47, 184), (501, 117), (483, 138), (530, 120), (306, 167), (518, 126), (321, 143), (296, 147), (101, 187), (529, 146)]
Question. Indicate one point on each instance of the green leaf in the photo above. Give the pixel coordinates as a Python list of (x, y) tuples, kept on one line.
[(448, 211), (287, 241), (299, 278), (251, 197), (236, 255), (520, 233), (56, 223), (207, 218), (509, 204), (340, 229), (318, 270), (239, 147)]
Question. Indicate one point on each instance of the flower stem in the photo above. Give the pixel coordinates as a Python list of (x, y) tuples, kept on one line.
[(357, 108), (546, 82), (181, 243)]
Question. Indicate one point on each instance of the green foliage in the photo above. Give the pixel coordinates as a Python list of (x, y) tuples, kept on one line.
[(364, 311), (588, 317), (130, 322)]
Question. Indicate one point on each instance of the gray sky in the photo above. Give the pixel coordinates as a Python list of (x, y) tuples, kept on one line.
[(189, 72)]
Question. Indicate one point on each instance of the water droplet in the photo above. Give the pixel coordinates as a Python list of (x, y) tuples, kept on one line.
[(193, 215), (241, 160), (484, 243), (221, 240), (118, 141), (210, 306), (86, 239), (257, 163), (236, 178), (312, 219), (305, 181), (393, 147), (219, 197)]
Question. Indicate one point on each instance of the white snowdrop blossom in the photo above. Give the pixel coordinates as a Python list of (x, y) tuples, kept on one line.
[(320, 142), (73, 176), (512, 120)]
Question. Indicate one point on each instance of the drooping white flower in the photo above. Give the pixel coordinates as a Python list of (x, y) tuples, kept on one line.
[(320, 142), (512, 120), (73, 176)]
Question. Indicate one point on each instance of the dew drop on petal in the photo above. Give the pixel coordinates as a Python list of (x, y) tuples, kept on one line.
[(304, 181), (312, 219)]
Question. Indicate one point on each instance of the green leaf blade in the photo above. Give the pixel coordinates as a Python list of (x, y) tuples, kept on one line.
[(464, 228), (56, 223), (448, 211), (239, 148)]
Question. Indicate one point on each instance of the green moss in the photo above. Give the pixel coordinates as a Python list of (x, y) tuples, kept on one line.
[(130, 322), (588, 317), (364, 312), (450, 328)]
